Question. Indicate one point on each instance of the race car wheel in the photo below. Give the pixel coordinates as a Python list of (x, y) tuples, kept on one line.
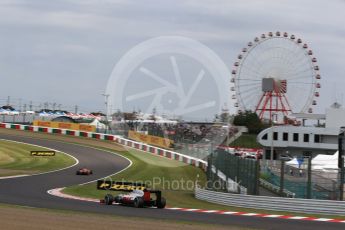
[(78, 173), (91, 172), (108, 199), (117, 199), (138, 202), (161, 203)]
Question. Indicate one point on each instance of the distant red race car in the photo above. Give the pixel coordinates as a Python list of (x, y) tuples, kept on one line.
[(84, 171)]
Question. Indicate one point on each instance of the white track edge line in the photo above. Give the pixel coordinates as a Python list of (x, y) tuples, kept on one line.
[(37, 174)]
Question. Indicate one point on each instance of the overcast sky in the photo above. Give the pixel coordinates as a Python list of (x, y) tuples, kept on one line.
[(64, 51)]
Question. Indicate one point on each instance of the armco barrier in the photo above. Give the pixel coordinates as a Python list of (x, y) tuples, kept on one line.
[(273, 203), (275, 188), (118, 139)]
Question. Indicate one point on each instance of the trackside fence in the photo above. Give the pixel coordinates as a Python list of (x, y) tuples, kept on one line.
[(311, 206), (238, 174)]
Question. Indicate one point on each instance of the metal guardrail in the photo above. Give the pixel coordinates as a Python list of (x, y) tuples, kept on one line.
[(273, 203), (275, 188)]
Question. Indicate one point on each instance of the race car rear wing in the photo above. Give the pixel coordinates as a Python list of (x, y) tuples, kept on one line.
[(119, 186)]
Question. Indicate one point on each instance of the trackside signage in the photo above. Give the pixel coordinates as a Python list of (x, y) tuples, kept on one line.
[(119, 186), (42, 153)]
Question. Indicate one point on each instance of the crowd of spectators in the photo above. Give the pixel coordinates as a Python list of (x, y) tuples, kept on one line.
[(190, 133)]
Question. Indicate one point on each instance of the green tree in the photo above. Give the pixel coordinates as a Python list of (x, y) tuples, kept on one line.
[(225, 117), (250, 120), (216, 118)]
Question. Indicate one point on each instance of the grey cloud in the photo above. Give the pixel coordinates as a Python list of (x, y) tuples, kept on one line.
[(73, 45)]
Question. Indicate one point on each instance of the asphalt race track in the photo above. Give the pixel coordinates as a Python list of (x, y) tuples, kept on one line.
[(32, 191)]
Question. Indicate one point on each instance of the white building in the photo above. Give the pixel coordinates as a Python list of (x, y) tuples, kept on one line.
[(321, 137)]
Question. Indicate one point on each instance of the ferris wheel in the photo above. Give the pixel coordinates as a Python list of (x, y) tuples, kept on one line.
[(276, 74)]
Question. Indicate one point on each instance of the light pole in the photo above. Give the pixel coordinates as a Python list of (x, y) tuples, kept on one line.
[(106, 96)]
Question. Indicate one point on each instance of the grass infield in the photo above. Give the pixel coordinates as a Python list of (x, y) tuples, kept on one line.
[(15, 159), (246, 140)]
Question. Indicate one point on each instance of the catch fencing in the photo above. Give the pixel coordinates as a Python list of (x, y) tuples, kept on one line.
[(322, 184), (234, 170)]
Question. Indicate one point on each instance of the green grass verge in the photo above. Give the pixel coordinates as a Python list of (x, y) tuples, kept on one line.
[(15, 159), (246, 141)]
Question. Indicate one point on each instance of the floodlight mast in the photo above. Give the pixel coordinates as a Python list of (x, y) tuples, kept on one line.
[(106, 97)]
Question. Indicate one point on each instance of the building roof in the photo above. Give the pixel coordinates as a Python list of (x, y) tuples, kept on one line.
[(308, 116), (64, 119)]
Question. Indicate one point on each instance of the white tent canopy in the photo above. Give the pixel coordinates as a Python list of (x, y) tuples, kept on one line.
[(320, 162), (293, 162), (97, 124), (325, 162)]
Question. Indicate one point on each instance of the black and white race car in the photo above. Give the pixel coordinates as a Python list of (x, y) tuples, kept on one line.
[(137, 198)]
